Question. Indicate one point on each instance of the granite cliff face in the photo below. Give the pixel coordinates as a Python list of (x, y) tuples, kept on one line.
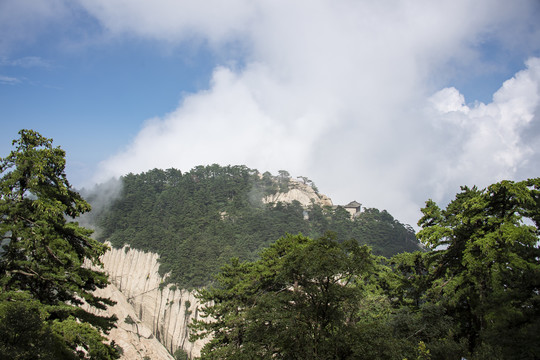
[(300, 192), (136, 339), (158, 313)]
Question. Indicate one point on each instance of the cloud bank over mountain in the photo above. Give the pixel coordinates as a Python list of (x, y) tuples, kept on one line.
[(345, 93), (357, 95)]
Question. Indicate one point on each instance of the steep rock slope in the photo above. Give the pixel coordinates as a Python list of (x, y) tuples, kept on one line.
[(162, 310), (297, 191), (135, 339)]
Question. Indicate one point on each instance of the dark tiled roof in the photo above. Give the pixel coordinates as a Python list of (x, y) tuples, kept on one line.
[(353, 204)]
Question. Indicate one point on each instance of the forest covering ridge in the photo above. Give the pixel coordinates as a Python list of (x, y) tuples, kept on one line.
[(196, 221), (473, 293)]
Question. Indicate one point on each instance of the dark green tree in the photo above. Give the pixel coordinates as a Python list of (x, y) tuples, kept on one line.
[(485, 268), (386, 235), (47, 257), (303, 299), (24, 333)]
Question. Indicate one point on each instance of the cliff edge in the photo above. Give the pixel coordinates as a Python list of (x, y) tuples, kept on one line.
[(152, 318)]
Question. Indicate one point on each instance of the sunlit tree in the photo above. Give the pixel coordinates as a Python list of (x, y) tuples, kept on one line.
[(43, 274)]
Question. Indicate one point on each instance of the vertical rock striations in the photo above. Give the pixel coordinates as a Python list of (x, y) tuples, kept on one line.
[(135, 339), (165, 310)]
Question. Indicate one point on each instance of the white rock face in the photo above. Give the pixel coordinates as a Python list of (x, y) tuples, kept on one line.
[(162, 314), (135, 339), (300, 192)]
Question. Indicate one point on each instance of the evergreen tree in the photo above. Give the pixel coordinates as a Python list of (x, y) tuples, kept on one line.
[(303, 299), (45, 259), (485, 269)]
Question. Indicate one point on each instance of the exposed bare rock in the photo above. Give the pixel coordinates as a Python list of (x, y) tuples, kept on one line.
[(135, 339), (159, 312), (300, 192)]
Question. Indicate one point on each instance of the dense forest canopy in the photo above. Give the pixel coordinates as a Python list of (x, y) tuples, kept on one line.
[(198, 220), (475, 295)]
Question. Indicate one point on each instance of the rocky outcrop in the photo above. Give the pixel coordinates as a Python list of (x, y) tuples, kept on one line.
[(300, 192), (156, 311), (136, 340)]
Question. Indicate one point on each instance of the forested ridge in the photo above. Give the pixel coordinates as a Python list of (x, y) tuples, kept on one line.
[(280, 285), (473, 291), (200, 219), (474, 295)]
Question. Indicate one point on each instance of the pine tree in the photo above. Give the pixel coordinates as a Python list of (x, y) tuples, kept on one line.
[(44, 258), (485, 267)]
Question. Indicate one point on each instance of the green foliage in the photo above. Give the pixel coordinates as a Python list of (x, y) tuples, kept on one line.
[(303, 299), (129, 320), (24, 333), (41, 264), (475, 295), (484, 268), (386, 235), (187, 305), (180, 354), (198, 220)]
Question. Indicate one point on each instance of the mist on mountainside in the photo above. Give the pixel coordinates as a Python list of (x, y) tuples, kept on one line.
[(196, 221), (101, 197)]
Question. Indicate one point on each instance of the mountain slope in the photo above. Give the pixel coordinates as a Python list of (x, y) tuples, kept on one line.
[(196, 221)]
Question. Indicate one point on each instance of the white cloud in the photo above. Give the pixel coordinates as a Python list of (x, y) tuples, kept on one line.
[(9, 80), (449, 100), (338, 91), (487, 138), (229, 124), (174, 20), (25, 62)]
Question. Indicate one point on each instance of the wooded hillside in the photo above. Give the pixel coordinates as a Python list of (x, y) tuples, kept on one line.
[(198, 220)]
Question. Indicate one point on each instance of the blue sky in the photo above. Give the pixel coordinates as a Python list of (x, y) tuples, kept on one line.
[(93, 99), (389, 103)]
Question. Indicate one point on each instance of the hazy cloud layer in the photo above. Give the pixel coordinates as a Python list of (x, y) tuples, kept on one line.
[(9, 80), (349, 93), (344, 93)]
